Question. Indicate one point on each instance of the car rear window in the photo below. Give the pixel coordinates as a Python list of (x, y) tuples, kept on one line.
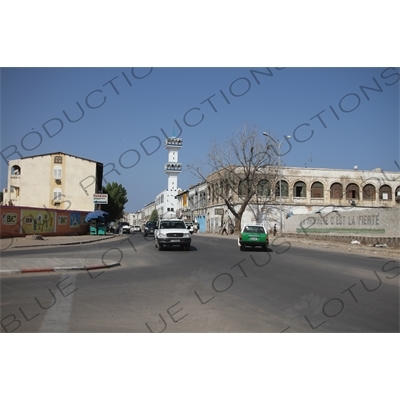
[(254, 229), (172, 225)]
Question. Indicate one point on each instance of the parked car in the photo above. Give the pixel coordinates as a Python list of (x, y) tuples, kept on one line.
[(172, 232), (189, 227), (252, 236), (123, 227), (149, 228)]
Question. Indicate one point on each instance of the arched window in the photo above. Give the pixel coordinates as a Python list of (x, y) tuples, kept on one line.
[(225, 188), (15, 170), (336, 191), (285, 189), (352, 191), (397, 194), (369, 192), (385, 192), (263, 188), (57, 172), (242, 189), (317, 190), (221, 189), (299, 189)]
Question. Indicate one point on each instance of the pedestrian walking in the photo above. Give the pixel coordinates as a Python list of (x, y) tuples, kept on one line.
[(275, 230), (224, 229)]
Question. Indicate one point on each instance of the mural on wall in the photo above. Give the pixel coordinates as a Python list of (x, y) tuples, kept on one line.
[(83, 222), (62, 219), (75, 221), (21, 221), (37, 221), (9, 218)]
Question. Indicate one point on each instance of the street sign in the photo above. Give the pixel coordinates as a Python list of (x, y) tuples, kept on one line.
[(100, 198)]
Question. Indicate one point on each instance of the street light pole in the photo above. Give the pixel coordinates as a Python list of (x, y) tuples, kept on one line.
[(278, 145)]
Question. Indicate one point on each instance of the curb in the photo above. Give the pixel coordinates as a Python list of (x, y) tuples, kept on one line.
[(64, 244), (55, 269)]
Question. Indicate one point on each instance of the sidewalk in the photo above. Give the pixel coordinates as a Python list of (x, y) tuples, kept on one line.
[(21, 264), (321, 244)]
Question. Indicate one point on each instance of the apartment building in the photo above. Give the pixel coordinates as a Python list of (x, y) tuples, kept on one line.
[(54, 180)]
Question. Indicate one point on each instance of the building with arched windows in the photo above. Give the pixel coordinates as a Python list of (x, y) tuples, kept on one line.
[(292, 191), (55, 180)]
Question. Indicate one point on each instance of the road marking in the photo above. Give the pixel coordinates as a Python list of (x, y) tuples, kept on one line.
[(57, 317)]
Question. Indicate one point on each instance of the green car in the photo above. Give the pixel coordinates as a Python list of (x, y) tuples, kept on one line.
[(252, 236)]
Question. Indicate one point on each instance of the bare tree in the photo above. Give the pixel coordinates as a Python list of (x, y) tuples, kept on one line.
[(242, 170)]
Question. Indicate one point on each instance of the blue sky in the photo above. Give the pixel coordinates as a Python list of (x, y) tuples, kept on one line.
[(130, 107)]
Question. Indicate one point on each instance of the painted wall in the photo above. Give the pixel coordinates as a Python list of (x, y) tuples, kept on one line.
[(80, 183), (22, 221), (373, 222)]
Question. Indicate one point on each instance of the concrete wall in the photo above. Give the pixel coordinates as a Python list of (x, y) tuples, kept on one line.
[(365, 240), (78, 173), (378, 222)]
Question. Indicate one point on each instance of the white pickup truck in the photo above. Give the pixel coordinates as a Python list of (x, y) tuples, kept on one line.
[(172, 232)]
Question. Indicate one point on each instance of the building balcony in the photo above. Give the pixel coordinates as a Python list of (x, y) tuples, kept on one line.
[(173, 142), (317, 200), (173, 167), (15, 180), (299, 200)]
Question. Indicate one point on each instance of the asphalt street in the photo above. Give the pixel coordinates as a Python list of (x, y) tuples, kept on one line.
[(15, 254), (294, 287)]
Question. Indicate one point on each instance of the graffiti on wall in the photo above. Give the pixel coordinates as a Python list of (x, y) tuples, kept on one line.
[(337, 223), (37, 221), (75, 220), (62, 219)]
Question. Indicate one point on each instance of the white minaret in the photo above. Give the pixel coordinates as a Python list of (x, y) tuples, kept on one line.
[(166, 201), (173, 168)]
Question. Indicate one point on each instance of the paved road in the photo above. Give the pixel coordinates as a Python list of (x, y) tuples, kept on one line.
[(16, 254), (213, 288)]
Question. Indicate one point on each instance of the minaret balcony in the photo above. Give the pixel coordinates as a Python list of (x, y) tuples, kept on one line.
[(173, 167), (173, 142)]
